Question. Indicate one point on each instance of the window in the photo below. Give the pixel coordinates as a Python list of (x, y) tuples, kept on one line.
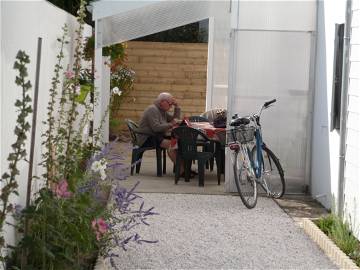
[(337, 77)]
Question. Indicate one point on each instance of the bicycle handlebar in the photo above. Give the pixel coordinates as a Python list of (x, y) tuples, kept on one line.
[(268, 103), (236, 120)]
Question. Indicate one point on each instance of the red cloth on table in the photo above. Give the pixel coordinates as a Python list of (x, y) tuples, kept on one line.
[(208, 129)]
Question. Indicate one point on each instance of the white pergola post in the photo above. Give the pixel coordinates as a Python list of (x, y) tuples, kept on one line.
[(210, 63), (102, 88)]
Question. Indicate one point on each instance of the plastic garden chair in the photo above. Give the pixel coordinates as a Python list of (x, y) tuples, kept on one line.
[(187, 151), (138, 151), (209, 147)]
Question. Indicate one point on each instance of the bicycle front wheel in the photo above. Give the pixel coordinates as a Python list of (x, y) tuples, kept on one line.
[(245, 183), (273, 181)]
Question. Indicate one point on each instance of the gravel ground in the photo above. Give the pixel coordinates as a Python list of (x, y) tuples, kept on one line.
[(218, 232)]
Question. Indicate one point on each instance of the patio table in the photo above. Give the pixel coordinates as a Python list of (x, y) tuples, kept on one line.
[(218, 138), (213, 133)]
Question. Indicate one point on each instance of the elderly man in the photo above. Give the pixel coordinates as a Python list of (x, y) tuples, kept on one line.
[(156, 121)]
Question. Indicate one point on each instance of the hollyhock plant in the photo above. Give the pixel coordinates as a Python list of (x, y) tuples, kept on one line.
[(61, 189), (100, 227), (69, 74)]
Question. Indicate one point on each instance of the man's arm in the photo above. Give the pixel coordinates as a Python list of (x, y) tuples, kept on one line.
[(177, 112), (153, 119)]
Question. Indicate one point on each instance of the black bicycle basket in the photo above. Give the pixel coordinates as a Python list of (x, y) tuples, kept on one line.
[(241, 134)]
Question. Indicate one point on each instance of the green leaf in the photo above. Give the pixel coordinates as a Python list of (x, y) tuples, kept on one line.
[(27, 84), (27, 98), (18, 103), (84, 90), (5, 176)]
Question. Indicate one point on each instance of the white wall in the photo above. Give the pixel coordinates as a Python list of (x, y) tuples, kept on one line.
[(352, 155), (273, 48), (22, 22), (325, 144)]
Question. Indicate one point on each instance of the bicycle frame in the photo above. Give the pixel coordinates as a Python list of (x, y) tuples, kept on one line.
[(247, 158), (257, 166)]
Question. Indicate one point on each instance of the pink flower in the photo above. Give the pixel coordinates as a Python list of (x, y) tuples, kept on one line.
[(62, 189), (69, 74), (100, 227)]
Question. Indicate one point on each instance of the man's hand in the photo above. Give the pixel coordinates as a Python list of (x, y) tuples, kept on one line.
[(174, 102), (174, 122)]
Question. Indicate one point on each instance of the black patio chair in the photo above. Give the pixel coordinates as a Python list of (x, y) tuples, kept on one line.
[(187, 151), (138, 151), (209, 147)]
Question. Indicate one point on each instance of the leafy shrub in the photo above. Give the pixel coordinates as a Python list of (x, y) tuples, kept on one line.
[(60, 235)]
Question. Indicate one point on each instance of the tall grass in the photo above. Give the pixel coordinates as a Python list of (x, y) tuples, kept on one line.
[(341, 233)]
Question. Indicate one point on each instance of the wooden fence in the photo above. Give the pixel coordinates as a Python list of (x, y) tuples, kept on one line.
[(178, 68)]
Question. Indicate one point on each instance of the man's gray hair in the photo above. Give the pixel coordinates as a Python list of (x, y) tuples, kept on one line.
[(163, 96)]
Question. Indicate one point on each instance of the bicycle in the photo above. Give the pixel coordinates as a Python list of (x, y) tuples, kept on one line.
[(253, 161)]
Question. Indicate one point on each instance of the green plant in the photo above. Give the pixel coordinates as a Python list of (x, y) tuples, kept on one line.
[(61, 236), (116, 52), (121, 83), (48, 156), (8, 179), (326, 223), (341, 233), (121, 77), (71, 140), (67, 223)]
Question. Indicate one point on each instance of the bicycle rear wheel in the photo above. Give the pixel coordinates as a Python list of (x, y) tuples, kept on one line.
[(273, 180), (245, 183)]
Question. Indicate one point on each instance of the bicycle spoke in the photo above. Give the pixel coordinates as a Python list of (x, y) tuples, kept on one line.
[(245, 183), (272, 178)]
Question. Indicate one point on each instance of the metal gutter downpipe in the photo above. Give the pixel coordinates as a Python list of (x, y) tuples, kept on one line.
[(344, 107)]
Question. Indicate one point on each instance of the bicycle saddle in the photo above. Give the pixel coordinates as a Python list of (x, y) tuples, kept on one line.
[(239, 121)]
